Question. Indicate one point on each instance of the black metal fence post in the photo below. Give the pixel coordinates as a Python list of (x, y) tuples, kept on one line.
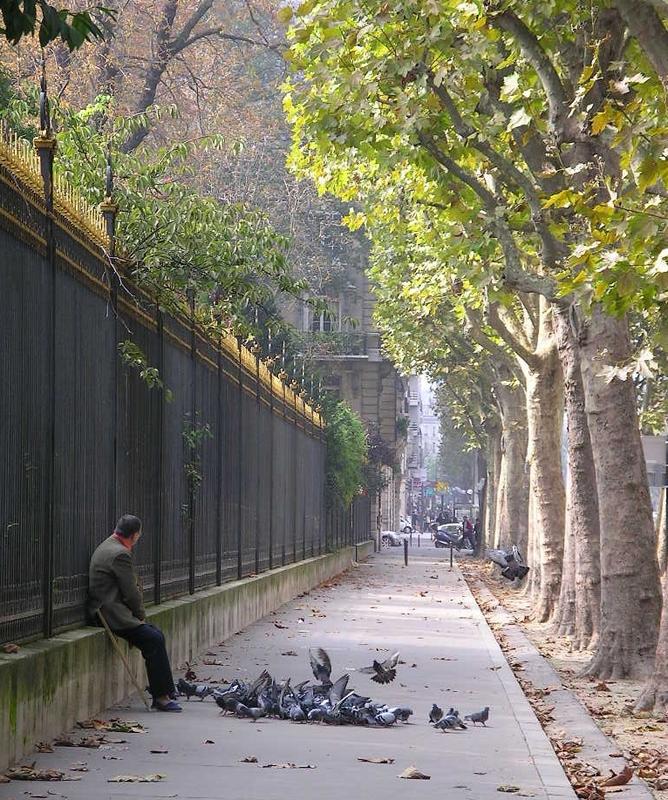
[(258, 442), (160, 466), (45, 144), (219, 466), (240, 452), (193, 446), (271, 465)]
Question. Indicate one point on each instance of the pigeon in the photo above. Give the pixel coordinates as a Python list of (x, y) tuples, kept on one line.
[(402, 713), (435, 714), (321, 666), (386, 718), (297, 713), (479, 716), (200, 690), (244, 711), (450, 722), (383, 672)]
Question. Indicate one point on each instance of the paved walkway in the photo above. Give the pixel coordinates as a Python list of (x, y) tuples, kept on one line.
[(452, 658)]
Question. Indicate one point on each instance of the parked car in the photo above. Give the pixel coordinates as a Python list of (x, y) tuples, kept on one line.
[(391, 539)]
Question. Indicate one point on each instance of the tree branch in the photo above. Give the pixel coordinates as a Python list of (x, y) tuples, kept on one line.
[(514, 276), (647, 28), (514, 341), (557, 98), (552, 251)]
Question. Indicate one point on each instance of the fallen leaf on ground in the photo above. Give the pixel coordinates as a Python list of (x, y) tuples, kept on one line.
[(208, 741), (602, 686), (213, 662), (289, 653), (153, 778), (619, 778), (113, 724), (44, 747), (159, 750), (508, 789), (280, 626), (288, 765), (32, 774), (10, 648), (375, 760), (4, 779), (249, 760), (79, 766), (64, 741), (413, 774)]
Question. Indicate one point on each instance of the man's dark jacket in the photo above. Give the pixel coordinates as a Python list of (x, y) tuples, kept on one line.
[(113, 586)]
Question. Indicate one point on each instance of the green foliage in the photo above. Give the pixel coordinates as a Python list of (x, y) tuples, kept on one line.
[(177, 243), (22, 18), (134, 358), (346, 452), (195, 433), (491, 142)]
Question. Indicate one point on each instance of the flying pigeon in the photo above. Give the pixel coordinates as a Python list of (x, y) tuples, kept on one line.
[(383, 672), (435, 714), (479, 716), (321, 666)]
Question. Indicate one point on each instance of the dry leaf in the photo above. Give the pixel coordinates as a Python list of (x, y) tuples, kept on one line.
[(208, 741), (602, 686), (288, 765), (619, 778), (508, 789), (159, 750), (289, 653), (280, 626), (10, 648), (4, 779), (411, 773), (376, 760), (44, 747), (32, 774), (249, 760), (153, 778)]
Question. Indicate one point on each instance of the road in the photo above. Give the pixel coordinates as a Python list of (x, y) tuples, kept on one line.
[(426, 612)]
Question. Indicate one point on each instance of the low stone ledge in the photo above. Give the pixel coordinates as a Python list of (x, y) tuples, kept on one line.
[(50, 684)]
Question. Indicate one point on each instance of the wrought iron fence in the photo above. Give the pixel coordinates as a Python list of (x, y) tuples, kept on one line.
[(223, 462)]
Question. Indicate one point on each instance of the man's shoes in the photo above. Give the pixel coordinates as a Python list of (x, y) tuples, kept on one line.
[(170, 705)]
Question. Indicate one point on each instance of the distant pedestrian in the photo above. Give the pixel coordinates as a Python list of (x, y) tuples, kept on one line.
[(468, 535), (114, 590)]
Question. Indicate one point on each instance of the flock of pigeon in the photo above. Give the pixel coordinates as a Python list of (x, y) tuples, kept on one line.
[(324, 701)]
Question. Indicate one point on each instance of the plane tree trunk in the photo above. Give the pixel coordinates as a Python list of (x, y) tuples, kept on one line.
[(630, 592)]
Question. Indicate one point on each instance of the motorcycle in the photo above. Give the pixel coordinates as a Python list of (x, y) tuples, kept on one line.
[(450, 534)]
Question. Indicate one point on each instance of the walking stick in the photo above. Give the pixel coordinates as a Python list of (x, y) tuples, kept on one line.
[(118, 649)]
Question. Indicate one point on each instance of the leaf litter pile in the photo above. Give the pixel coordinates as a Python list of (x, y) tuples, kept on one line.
[(641, 741)]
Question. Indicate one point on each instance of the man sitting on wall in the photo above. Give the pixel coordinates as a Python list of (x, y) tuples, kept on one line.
[(114, 591)]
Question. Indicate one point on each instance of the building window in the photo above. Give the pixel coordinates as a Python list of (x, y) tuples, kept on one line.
[(323, 321)]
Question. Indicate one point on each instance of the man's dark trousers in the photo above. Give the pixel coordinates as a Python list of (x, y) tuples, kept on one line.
[(151, 642)]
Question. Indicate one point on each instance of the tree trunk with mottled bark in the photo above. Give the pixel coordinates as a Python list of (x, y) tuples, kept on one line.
[(544, 415), (578, 610), (512, 516), (630, 592), (494, 458), (655, 695)]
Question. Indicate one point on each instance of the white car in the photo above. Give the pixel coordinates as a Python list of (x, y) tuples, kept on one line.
[(391, 539)]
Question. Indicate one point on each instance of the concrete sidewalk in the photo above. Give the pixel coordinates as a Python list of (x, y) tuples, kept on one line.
[(427, 612)]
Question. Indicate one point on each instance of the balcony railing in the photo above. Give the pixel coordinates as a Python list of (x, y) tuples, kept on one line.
[(337, 344)]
